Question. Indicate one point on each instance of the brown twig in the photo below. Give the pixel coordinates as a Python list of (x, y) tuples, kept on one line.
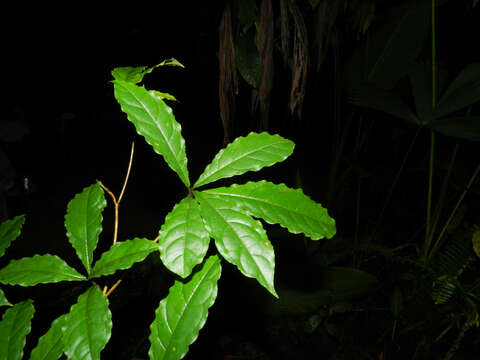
[(116, 202), (128, 172), (113, 288)]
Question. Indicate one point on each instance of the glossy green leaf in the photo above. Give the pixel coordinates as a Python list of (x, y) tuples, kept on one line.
[(183, 238), (462, 92), (50, 344), (154, 120), (14, 328), (250, 153), (123, 255), (278, 204), (240, 239), (182, 314), (3, 299), (83, 222), (88, 326), (39, 269), (9, 231)]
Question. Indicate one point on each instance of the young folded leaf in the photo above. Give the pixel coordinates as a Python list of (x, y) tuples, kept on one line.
[(278, 204), (250, 153), (9, 231), (183, 238), (87, 327), (83, 222), (182, 314), (14, 328), (129, 73), (135, 75), (39, 269), (50, 345), (154, 120), (240, 239), (122, 256)]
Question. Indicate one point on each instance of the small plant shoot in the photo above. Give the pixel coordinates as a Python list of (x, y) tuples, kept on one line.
[(230, 216)]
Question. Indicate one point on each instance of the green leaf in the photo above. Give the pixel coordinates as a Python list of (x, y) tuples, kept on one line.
[(14, 328), (135, 75), (278, 204), (240, 239), (39, 269), (83, 222), (462, 92), (250, 153), (182, 314), (3, 300), (129, 74), (170, 62), (390, 51), (420, 76), (249, 62), (463, 127), (346, 283), (123, 255), (154, 120), (50, 345), (183, 238), (368, 96), (88, 326), (9, 231), (396, 302), (162, 95)]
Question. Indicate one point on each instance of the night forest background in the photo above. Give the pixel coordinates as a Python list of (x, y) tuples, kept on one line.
[(349, 81)]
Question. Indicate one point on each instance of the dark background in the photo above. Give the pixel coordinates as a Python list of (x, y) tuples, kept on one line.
[(56, 71)]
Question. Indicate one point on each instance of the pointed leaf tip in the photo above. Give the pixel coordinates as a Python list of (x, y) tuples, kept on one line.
[(250, 153), (83, 222), (240, 239), (39, 269), (279, 204), (9, 231), (123, 255), (154, 120), (181, 315), (14, 328), (88, 326)]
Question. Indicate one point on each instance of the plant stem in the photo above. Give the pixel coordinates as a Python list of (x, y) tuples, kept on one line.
[(452, 214), (443, 192), (132, 149), (428, 229), (428, 234), (394, 183), (116, 202)]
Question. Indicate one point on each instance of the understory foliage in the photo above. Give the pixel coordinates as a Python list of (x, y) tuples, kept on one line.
[(228, 215)]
